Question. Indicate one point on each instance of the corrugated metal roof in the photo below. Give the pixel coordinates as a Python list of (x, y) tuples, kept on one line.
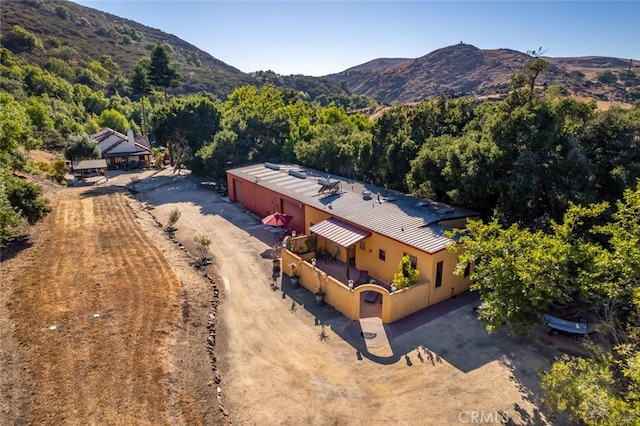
[(410, 220), (339, 231)]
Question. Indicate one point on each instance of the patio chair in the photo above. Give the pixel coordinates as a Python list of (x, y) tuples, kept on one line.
[(363, 278), (324, 256), (334, 256)]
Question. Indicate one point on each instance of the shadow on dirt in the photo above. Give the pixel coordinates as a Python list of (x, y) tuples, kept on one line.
[(448, 331), (102, 190), (14, 247)]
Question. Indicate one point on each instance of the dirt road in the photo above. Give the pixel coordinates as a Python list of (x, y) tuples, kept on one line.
[(281, 359)]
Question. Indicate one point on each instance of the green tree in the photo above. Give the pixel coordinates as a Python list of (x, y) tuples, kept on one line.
[(9, 217), (331, 147), (15, 124), (189, 121), (89, 78), (58, 170), (536, 66), (16, 132), (610, 141), (616, 276), (519, 272), (20, 40), (161, 72), (93, 102), (527, 79), (440, 116), (267, 122), (332, 141), (98, 69), (598, 391), (392, 149), (605, 389), (39, 114), (40, 82), (80, 147), (139, 85), (52, 42), (536, 164), (60, 68), (214, 158), (26, 199), (462, 171), (115, 120), (607, 77), (194, 59), (62, 12)]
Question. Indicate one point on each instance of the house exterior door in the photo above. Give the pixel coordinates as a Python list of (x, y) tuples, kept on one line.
[(238, 192)]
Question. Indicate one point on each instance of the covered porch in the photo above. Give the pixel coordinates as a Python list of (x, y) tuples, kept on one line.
[(88, 168), (336, 255)]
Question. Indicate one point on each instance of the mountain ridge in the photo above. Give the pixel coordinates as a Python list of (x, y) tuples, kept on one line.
[(459, 70), (465, 70)]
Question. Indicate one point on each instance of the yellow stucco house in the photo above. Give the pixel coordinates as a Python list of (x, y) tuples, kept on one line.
[(355, 228)]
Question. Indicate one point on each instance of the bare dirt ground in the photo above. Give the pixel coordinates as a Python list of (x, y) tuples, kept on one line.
[(278, 358), (103, 321)]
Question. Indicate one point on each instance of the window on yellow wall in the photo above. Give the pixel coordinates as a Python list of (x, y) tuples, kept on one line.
[(467, 270), (382, 255), (439, 269), (414, 260)]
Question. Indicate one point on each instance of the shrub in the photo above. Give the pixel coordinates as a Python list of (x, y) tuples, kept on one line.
[(173, 218), (203, 242), (407, 275), (24, 198), (21, 40)]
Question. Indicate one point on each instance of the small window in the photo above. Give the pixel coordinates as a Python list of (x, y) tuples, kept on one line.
[(362, 244), (382, 255), (439, 268), (414, 260), (467, 270)]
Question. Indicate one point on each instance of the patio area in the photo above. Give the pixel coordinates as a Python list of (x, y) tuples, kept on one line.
[(339, 270)]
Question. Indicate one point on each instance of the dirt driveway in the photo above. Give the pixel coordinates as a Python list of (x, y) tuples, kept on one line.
[(281, 359), (277, 367)]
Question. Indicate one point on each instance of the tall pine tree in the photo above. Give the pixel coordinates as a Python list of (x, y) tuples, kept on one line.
[(162, 73)]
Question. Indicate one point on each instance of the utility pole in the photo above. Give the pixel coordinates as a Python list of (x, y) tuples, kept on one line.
[(626, 81)]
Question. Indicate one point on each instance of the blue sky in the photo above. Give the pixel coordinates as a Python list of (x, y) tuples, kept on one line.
[(323, 37)]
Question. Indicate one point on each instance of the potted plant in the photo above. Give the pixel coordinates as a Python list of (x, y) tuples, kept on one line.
[(295, 278), (320, 296), (276, 266)]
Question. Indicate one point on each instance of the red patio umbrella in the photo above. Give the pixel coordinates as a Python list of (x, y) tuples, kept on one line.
[(277, 219)]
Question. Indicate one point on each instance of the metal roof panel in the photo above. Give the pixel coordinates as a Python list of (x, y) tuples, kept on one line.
[(339, 231), (410, 220)]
